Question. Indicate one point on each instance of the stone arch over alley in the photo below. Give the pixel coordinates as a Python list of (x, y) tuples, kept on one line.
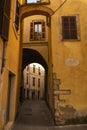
[(44, 48), (32, 10), (31, 56)]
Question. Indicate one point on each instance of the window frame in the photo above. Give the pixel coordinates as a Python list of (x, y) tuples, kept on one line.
[(33, 81), (32, 2), (39, 71), (16, 15), (32, 30), (39, 81), (27, 79), (34, 68), (5, 10), (77, 26), (39, 2)]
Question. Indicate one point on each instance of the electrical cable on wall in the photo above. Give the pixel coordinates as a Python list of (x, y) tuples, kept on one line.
[(60, 6)]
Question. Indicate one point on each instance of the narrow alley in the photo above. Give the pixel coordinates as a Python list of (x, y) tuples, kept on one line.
[(33, 113)]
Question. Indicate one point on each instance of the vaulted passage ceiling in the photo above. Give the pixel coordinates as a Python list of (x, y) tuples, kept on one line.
[(32, 56)]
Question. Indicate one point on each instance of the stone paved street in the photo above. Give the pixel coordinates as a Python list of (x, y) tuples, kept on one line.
[(35, 115)]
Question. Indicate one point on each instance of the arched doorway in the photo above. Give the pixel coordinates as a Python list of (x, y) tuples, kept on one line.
[(33, 57)]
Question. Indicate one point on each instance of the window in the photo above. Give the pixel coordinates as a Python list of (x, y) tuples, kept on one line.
[(33, 1), (27, 79), (33, 83), (27, 68), (16, 22), (37, 1), (37, 31), (5, 6), (38, 83), (33, 68), (39, 71), (69, 28)]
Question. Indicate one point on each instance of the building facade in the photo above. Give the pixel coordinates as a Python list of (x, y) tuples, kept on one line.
[(34, 76), (52, 33)]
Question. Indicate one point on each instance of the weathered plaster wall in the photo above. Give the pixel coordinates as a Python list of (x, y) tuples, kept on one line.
[(69, 60), (73, 76), (11, 65), (26, 27)]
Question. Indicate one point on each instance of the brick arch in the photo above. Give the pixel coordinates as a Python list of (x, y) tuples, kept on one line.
[(35, 10)]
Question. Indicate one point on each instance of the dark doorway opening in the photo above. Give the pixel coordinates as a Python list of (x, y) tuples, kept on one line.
[(33, 95)]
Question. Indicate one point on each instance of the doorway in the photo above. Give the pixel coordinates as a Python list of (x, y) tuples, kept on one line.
[(10, 97), (33, 95)]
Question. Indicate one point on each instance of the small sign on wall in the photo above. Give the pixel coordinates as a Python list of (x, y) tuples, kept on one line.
[(72, 62), (62, 92)]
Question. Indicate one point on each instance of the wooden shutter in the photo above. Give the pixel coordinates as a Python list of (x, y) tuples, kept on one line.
[(6, 19), (73, 27), (65, 27), (17, 13), (31, 31), (43, 30), (69, 27), (1, 13)]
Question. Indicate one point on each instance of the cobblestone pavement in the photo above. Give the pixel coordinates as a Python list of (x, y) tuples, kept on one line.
[(35, 115)]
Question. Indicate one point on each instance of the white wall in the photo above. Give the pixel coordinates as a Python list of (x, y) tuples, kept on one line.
[(29, 72)]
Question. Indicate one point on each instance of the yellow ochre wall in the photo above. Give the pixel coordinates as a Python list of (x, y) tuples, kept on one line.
[(11, 66), (73, 77)]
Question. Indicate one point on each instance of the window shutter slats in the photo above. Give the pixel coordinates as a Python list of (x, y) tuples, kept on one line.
[(17, 13), (31, 31), (43, 30), (69, 27), (5, 27), (5, 14), (37, 30)]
